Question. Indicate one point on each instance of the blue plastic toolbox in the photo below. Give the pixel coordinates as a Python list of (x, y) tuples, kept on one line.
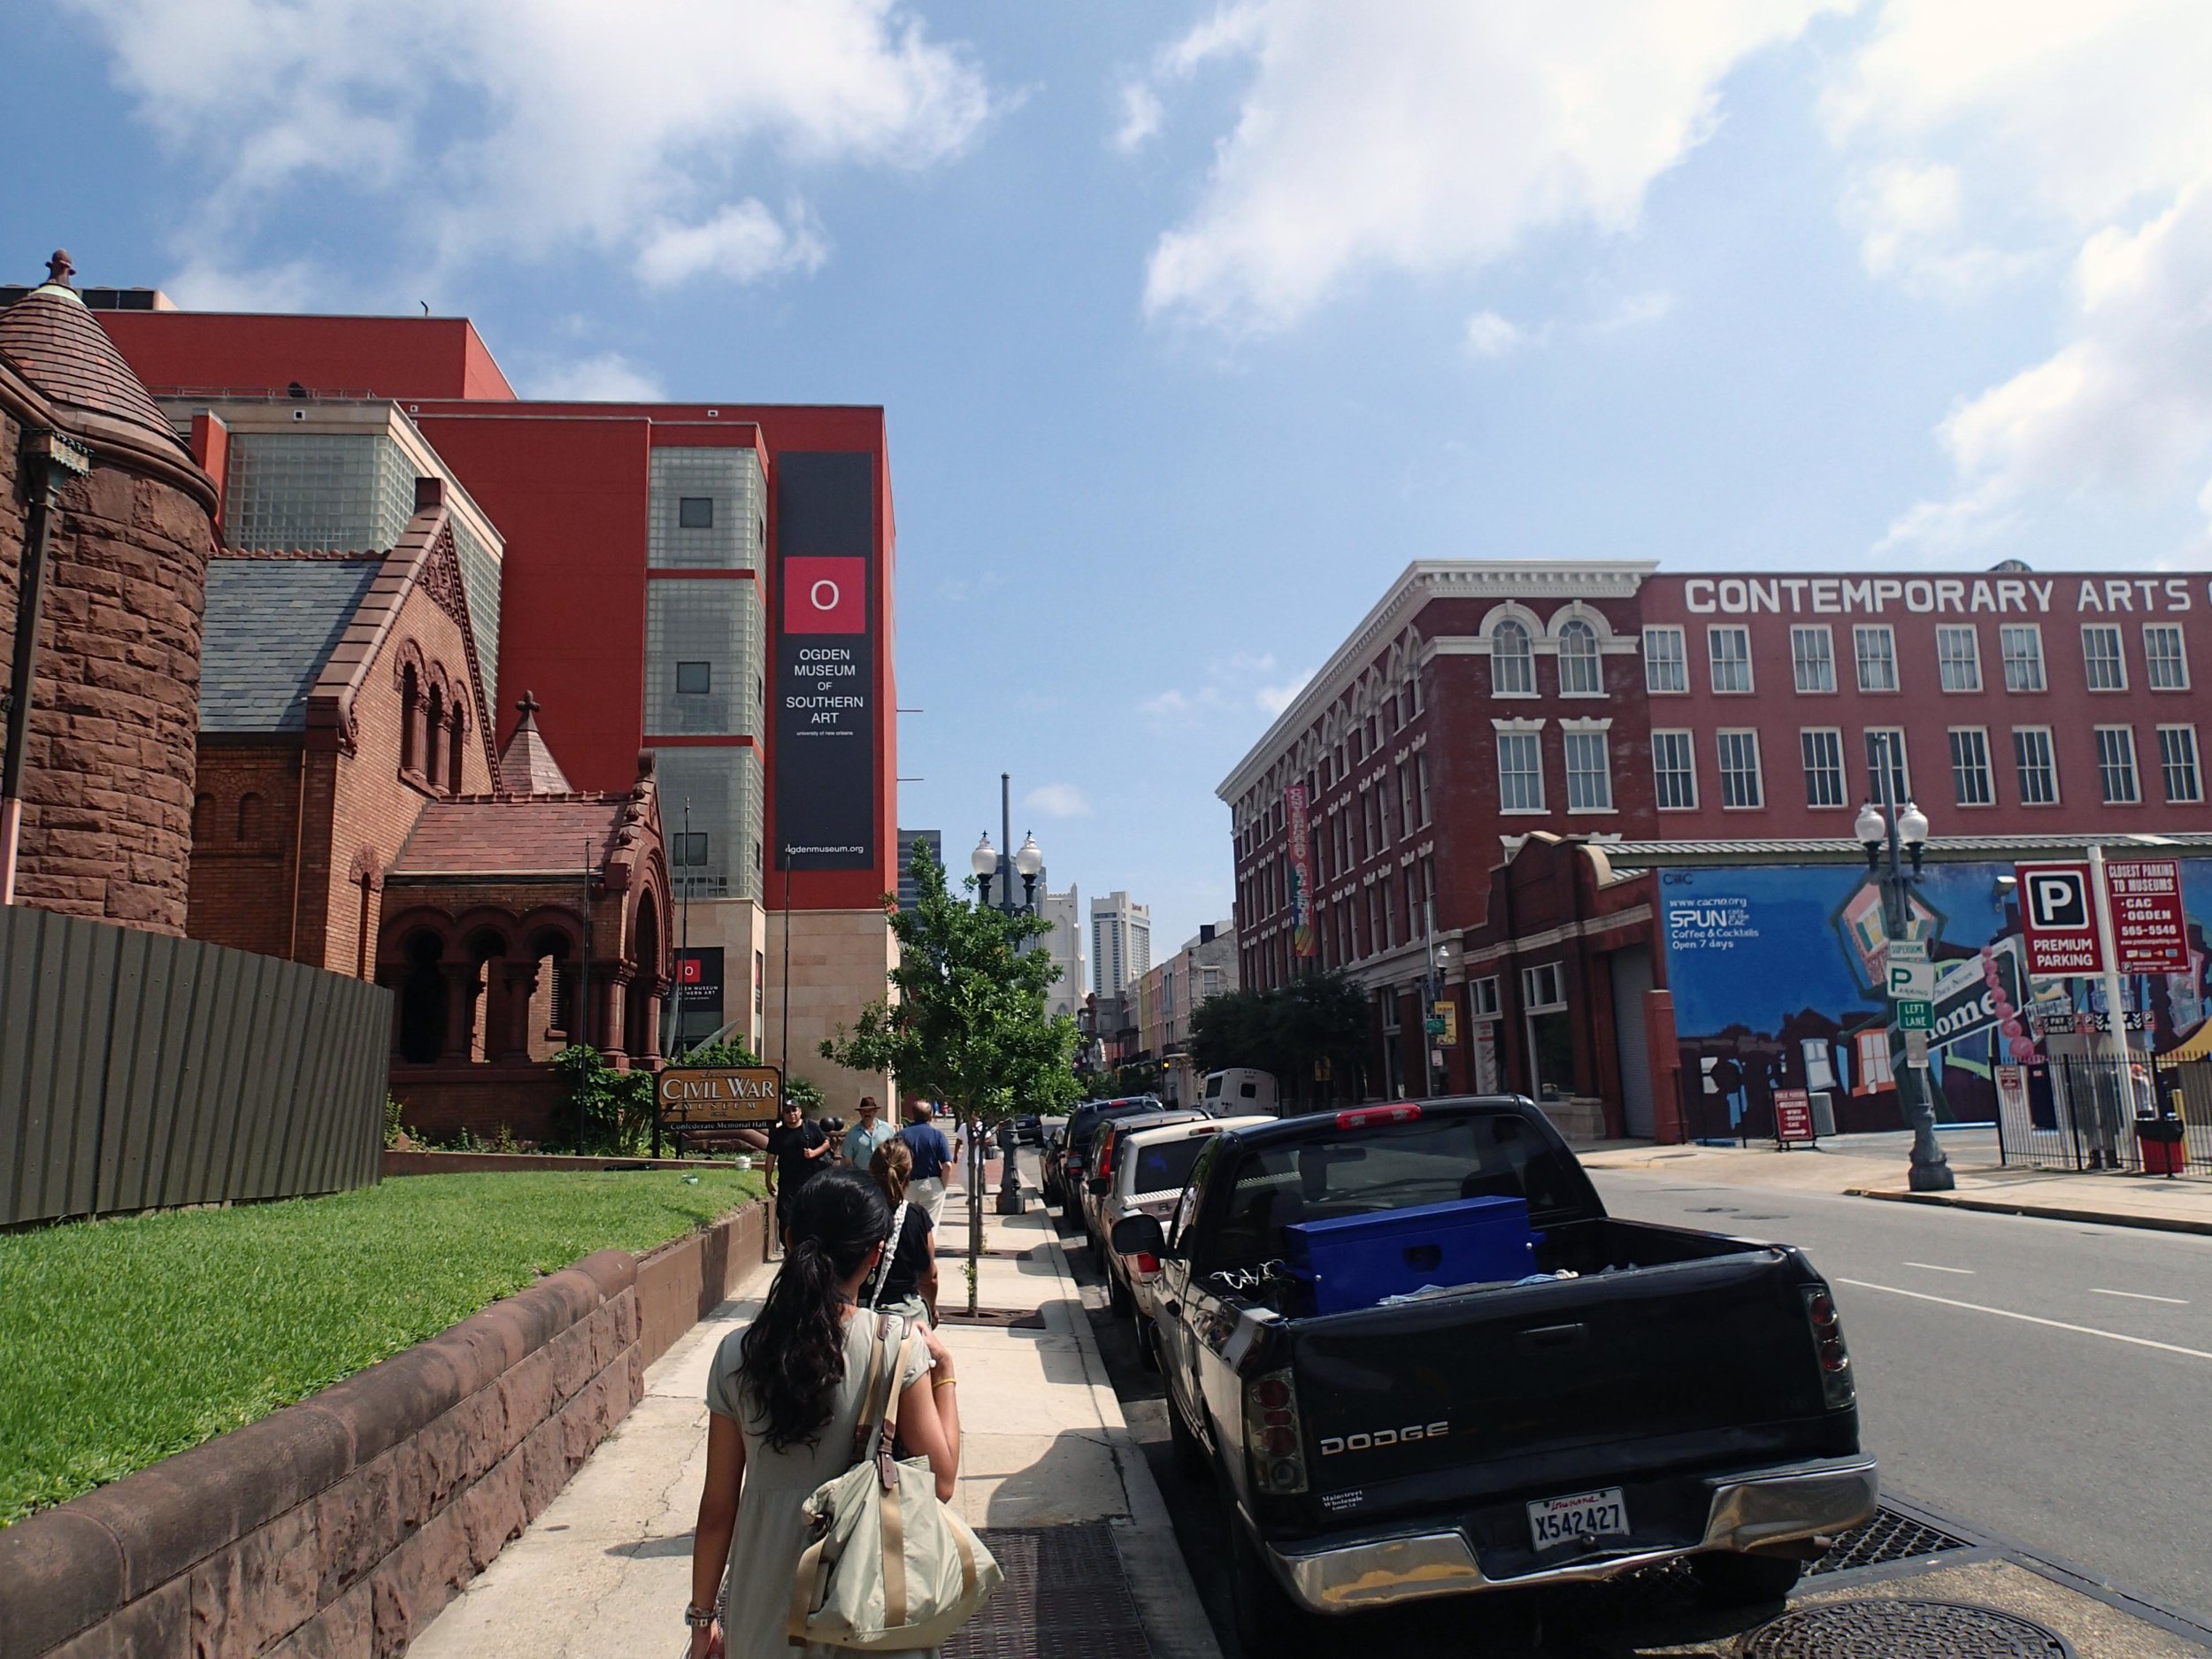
[(1357, 1260)]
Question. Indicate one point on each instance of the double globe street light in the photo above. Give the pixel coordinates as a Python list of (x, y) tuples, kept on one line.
[(1029, 864), (1891, 838)]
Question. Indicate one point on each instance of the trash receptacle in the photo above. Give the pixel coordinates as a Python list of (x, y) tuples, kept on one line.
[(2165, 1148)]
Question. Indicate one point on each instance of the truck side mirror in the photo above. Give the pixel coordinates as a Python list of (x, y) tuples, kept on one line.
[(1139, 1235)]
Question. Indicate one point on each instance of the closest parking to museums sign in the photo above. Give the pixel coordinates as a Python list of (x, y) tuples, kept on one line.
[(718, 1096)]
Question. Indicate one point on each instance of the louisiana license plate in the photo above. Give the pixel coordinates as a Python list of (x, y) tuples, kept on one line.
[(1556, 1521)]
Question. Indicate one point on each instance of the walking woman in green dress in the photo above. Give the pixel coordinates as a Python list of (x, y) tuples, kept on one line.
[(784, 1398)]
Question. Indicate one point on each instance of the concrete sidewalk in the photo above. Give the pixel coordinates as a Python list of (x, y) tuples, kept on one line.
[(2182, 1204), (1048, 1472)]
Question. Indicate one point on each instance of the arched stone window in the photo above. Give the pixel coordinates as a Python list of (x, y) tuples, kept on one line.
[(1580, 673), (434, 733), (1512, 664), (202, 816), (409, 719), (250, 817), (454, 748)]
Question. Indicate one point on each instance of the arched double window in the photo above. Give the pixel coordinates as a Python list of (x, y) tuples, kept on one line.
[(409, 719), (1512, 665), (1580, 674), (435, 735)]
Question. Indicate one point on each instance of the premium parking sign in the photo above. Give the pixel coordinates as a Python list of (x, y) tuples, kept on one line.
[(2058, 919)]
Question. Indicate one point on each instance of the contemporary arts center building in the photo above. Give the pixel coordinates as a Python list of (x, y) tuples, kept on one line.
[(697, 593), (1611, 810)]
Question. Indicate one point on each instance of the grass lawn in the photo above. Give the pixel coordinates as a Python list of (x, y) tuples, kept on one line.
[(124, 1342)]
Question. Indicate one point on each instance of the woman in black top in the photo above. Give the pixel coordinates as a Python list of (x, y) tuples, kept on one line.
[(910, 1267)]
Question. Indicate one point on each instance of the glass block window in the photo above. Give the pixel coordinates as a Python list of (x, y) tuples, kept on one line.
[(347, 492), (1729, 652), (1959, 659), (1822, 751), (702, 658), (1589, 772), (2022, 647), (1673, 772), (2165, 659), (1512, 667), (1877, 648), (716, 854), (1580, 673), (2035, 766), (479, 581), (2178, 763), (1666, 661), (1813, 657), (1887, 741), (2115, 765), (2102, 663), (1740, 785), (1970, 782), (1520, 773), (708, 511)]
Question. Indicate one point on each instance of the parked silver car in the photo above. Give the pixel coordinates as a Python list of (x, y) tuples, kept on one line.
[(1151, 1167)]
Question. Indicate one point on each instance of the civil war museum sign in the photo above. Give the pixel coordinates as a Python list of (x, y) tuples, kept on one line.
[(825, 653)]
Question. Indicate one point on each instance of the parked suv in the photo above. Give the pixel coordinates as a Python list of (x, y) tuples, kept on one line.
[(1063, 1185), (1152, 1162), (1105, 1154)]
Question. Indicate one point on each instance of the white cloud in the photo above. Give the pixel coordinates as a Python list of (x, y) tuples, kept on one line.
[(1236, 684), (1273, 700), (1431, 135), (1141, 114), (1990, 136), (1058, 799), (1636, 310), (520, 130), (744, 241), (1491, 335), (608, 378)]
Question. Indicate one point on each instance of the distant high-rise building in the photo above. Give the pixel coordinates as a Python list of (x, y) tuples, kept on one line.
[(907, 838), (1064, 911), (1121, 943)]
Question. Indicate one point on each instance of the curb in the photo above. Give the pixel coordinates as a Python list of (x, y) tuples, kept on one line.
[(2047, 1212), (1174, 1620)]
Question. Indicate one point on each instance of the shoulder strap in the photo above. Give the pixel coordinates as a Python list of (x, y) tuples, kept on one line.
[(890, 1250)]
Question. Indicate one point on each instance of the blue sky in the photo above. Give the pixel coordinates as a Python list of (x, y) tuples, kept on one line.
[(1196, 323)]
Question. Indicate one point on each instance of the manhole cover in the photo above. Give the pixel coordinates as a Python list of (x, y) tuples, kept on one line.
[(1888, 1630)]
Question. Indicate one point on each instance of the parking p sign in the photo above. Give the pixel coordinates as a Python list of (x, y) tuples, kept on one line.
[(2058, 919)]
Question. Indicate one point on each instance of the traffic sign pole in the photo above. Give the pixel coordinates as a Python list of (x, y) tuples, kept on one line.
[(2108, 948)]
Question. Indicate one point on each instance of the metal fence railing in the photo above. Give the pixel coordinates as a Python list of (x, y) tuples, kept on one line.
[(2142, 1115), (140, 1071)]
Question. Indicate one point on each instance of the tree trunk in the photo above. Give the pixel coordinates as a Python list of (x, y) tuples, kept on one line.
[(975, 1209)]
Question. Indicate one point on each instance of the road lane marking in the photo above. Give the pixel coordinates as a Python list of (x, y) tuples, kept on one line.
[(1932, 1268), (2137, 1295), (2030, 1318)]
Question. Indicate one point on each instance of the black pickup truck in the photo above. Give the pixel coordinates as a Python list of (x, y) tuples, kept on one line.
[(1661, 1393)]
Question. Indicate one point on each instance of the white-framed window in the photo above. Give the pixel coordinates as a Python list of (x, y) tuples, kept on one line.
[(1666, 661), (1589, 772), (1673, 772), (2115, 765), (1813, 656), (1520, 773), (2022, 643), (1512, 663), (1740, 785), (2035, 765), (2165, 658), (1889, 740), (1820, 749), (1543, 989), (1421, 781), (1959, 656), (1405, 797), (1580, 673), (1728, 650), (2178, 764), (1875, 644), (2102, 665), (1413, 689), (1971, 784), (1482, 998)]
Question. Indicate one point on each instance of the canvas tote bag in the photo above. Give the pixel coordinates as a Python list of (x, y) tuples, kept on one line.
[(887, 1566)]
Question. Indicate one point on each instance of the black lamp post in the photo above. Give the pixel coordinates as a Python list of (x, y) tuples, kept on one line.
[(1891, 837), (1029, 864)]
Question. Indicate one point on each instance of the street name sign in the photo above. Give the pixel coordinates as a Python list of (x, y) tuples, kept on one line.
[(2149, 933), (2058, 919), (718, 1096)]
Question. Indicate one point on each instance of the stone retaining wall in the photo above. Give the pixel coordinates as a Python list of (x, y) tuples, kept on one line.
[(342, 1525)]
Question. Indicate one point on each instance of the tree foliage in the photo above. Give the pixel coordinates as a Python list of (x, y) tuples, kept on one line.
[(1288, 1032)]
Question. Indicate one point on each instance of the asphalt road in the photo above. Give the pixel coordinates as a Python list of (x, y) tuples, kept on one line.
[(2047, 1380)]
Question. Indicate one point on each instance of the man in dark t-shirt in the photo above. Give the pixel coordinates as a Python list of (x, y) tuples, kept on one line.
[(796, 1150)]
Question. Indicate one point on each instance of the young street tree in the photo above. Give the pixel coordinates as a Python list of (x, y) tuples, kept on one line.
[(965, 1022)]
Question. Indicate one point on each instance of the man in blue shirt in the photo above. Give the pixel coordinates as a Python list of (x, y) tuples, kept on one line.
[(862, 1139), (932, 1158)]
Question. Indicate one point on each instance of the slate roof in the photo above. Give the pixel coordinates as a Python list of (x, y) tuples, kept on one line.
[(52, 338), (271, 624), (511, 835), (526, 764)]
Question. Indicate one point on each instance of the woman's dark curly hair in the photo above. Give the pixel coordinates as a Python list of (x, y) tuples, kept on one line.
[(793, 1353)]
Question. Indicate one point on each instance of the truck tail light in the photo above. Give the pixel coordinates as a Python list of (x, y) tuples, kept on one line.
[(1836, 1384), (1273, 1446), (1145, 1264), (1405, 1113)]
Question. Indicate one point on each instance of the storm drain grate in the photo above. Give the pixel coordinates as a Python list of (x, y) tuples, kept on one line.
[(1064, 1597), (1005, 1318), (1889, 1629), (1888, 1536)]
